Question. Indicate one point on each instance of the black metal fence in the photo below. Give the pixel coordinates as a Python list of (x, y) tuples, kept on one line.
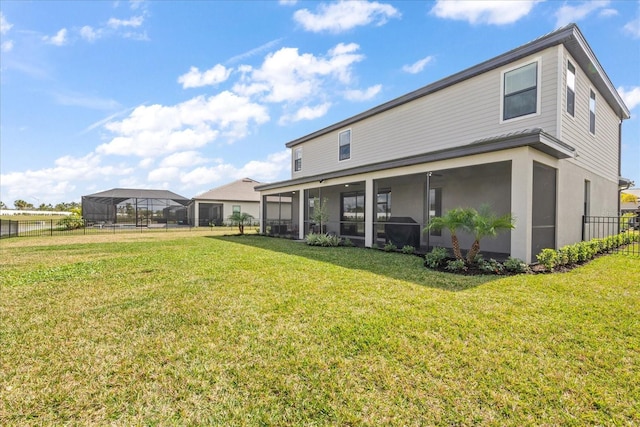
[(56, 227), (59, 227), (603, 227)]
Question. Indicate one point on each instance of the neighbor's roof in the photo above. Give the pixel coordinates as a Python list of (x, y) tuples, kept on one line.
[(240, 190), (569, 35), (118, 195)]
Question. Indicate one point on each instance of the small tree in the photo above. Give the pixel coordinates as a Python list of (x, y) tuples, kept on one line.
[(454, 220), (240, 219), (628, 198), (320, 211), (2, 205), (21, 204), (485, 223)]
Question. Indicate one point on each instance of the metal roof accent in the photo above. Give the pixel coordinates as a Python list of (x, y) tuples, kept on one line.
[(570, 36), (119, 195), (535, 138)]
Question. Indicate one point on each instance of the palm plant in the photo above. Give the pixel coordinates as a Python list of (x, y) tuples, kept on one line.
[(454, 220), (485, 223), (240, 219)]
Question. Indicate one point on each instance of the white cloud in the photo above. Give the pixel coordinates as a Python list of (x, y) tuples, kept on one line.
[(417, 66), (89, 34), (265, 171), (345, 15), (183, 159), (87, 101), (213, 76), (164, 174), (146, 163), (60, 180), (136, 4), (5, 25), (287, 76), (306, 113), (287, 2), (607, 12), (483, 12), (260, 170), (362, 95), (631, 96), (59, 39), (574, 12), (6, 46), (633, 28), (155, 130), (133, 22)]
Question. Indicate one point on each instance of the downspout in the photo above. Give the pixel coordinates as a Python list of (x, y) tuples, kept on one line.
[(427, 240), (620, 167)]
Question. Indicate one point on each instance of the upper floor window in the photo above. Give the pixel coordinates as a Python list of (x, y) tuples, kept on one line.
[(571, 89), (297, 160), (345, 145), (592, 112), (520, 91)]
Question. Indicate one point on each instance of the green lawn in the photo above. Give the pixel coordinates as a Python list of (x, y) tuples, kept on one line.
[(195, 329)]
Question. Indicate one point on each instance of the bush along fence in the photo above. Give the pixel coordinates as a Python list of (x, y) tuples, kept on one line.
[(578, 253), (602, 227)]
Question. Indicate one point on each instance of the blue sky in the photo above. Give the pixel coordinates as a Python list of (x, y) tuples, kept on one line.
[(188, 96)]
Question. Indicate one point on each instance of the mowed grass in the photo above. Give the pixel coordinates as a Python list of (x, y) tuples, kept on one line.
[(194, 329)]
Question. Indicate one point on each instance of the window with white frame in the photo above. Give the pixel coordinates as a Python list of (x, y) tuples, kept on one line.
[(571, 89), (345, 145), (520, 89), (297, 161), (592, 112), (235, 209)]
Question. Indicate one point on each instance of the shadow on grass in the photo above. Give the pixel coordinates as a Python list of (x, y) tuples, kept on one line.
[(394, 265)]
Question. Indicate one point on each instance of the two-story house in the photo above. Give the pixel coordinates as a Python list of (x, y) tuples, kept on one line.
[(535, 131)]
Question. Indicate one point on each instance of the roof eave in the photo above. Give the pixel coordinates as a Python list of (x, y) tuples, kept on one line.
[(535, 138)]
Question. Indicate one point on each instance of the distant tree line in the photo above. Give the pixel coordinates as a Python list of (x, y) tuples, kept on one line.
[(60, 207)]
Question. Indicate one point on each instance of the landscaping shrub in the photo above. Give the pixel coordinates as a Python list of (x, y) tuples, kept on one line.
[(408, 249), (435, 258), (492, 266), (515, 265), (321, 239), (583, 251), (548, 258), (390, 247), (72, 222), (456, 265)]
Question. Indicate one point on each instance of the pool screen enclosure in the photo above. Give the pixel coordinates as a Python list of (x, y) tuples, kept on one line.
[(133, 207)]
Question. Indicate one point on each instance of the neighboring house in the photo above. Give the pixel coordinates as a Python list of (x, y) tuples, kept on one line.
[(215, 206), (534, 131), (631, 207)]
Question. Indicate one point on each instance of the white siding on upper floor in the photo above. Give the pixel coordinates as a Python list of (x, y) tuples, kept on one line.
[(597, 153), (454, 116)]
